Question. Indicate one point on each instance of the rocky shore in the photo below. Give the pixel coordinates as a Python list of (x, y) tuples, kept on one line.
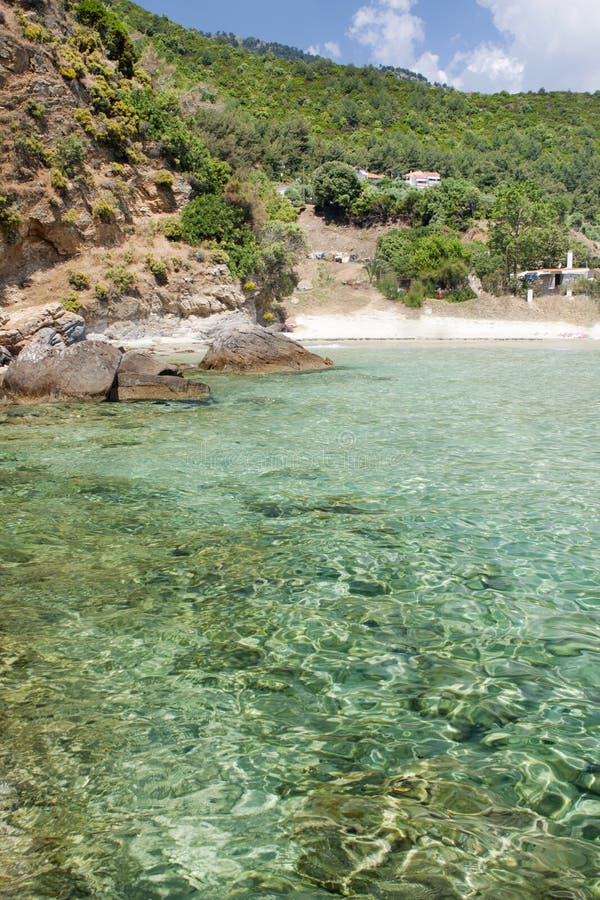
[(46, 355)]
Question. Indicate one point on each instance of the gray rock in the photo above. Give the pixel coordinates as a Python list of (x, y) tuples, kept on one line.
[(136, 362), (131, 386), (22, 326), (5, 356), (254, 349), (84, 371)]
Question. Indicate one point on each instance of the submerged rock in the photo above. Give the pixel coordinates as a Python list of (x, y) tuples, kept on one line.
[(254, 349), (158, 387)]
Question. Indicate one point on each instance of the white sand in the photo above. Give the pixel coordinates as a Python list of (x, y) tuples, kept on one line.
[(392, 326)]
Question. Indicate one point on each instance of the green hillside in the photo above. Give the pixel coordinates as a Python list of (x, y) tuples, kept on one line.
[(293, 114)]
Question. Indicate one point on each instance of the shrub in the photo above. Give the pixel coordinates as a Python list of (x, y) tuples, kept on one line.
[(104, 211), (78, 280), (159, 268), (112, 32), (58, 180), (71, 58), (10, 220), (460, 295), (37, 111), (218, 256), (31, 31), (123, 280), (31, 152), (72, 303), (173, 230), (415, 296), (101, 292), (163, 179), (85, 119), (69, 218), (296, 196), (70, 154), (68, 73)]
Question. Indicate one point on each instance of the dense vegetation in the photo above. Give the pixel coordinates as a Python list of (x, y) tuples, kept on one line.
[(233, 115), (292, 115)]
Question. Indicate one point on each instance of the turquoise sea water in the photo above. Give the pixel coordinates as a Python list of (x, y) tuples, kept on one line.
[(332, 635)]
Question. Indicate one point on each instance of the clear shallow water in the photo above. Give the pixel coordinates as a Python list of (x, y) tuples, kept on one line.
[(335, 634)]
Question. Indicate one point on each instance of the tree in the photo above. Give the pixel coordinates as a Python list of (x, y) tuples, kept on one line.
[(335, 187), (279, 247), (435, 258), (524, 227)]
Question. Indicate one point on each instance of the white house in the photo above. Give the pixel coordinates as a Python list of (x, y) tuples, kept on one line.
[(422, 180), (371, 177), (555, 279)]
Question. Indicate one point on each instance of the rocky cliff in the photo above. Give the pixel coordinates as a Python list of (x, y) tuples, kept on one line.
[(84, 198)]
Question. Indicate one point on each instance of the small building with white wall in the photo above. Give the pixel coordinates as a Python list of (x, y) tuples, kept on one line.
[(555, 279), (421, 180), (371, 177)]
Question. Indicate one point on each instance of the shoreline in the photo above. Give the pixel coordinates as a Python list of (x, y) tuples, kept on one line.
[(376, 328), (376, 325)]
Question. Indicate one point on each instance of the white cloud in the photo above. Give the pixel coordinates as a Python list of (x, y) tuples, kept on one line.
[(389, 30), (541, 43), (487, 68), (546, 43), (393, 34), (330, 49)]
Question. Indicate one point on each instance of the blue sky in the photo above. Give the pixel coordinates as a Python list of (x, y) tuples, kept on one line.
[(486, 45)]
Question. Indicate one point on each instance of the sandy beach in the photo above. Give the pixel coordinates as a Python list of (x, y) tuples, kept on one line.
[(391, 325)]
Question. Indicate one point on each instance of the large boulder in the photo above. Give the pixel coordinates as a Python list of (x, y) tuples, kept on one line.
[(138, 362), (84, 371), (59, 326), (254, 349), (142, 376)]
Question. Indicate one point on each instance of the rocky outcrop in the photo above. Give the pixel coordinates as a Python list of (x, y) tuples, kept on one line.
[(84, 371), (255, 349), (94, 370), (140, 363), (57, 327), (142, 376)]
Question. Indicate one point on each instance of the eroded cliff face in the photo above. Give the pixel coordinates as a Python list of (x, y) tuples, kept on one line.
[(81, 223)]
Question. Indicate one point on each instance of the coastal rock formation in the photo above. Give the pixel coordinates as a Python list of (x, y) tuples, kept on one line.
[(254, 349), (142, 376), (84, 371), (139, 363), (58, 326), (94, 370)]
